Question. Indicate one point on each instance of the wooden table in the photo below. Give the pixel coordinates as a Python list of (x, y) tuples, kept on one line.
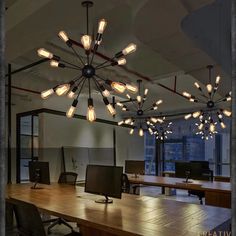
[(216, 193), (131, 215)]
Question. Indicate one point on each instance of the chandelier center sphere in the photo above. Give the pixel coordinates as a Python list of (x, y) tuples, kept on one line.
[(210, 104), (140, 112), (88, 71)]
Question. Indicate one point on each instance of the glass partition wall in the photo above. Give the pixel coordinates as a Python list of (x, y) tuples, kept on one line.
[(27, 144)]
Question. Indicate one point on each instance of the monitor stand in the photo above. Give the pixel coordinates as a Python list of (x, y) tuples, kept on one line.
[(35, 186), (104, 201)]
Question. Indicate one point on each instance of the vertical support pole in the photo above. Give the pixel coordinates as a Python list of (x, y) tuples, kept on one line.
[(114, 133), (9, 127), (2, 119), (233, 125)]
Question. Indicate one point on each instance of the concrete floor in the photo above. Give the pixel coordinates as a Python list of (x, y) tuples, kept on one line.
[(181, 195)]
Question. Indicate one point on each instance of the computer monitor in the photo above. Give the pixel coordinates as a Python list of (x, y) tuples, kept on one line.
[(183, 170), (104, 180), (39, 173), (135, 167), (204, 164)]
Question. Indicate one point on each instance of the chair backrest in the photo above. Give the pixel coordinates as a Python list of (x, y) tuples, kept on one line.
[(29, 222), (125, 184), (68, 178)]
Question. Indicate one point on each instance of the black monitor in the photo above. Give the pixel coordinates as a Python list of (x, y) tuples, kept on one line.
[(204, 164), (182, 170), (135, 167), (104, 180), (39, 173)]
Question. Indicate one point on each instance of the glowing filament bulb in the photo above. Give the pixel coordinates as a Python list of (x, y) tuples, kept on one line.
[(217, 79), (121, 61), (186, 117), (101, 26), (209, 88), (62, 89), (200, 127), (145, 92), (118, 87), (127, 95), (227, 113), (127, 121), (131, 88), (222, 124), (212, 127), (111, 109), (153, 119), (45, 94), (70, 113), (159, 102), (197, 85), (86, 40), (120, 122), (187, 95), (131, 131), (140, 132), (54, 63), (139, 99), (129, 49), (62, 34), (196, 114), (42, 52)]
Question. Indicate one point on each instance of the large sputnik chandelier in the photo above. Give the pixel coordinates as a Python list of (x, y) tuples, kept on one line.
[(205, 132), (87, 69), (214, 112), (136, 114)]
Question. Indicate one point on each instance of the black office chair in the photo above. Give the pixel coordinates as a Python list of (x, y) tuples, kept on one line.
[(200, 171), (65, 178), (126, 186), (29, 222)]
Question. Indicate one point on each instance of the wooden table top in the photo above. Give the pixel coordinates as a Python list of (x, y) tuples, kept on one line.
[(131, 215), (178, 183)]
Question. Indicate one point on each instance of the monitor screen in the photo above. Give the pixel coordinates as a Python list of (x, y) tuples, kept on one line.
[(104, 180), (135, 167), (39, 172), (181, 168)]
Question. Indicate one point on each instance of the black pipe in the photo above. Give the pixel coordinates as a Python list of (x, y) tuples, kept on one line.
[(114, 133), (28, 66), (9, 127)]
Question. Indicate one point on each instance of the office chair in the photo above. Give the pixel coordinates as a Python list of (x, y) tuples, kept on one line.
[(200, 171), (65, 178), (126, 186), (29, 222)]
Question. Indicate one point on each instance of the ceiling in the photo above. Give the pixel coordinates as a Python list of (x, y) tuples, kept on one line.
[(165, 46)]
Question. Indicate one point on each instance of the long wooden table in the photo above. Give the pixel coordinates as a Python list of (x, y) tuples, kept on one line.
[(216, 193), (131, 215)]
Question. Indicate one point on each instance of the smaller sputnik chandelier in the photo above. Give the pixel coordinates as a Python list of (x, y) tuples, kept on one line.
[(87, 69), (161, 131), (214, 112), (205, 132), (137, 114)]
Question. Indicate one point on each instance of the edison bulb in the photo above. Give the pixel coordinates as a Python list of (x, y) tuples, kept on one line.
[(212, 127), (131, 88), (222, 124), (131, 131), (101, 26), (196, 114), (227, 113), (62, 89), (187, 95), (121, 61), (91, 115), (209, 88), (140, 132), (118, 87), (218, 79), (186, 117), (159, 102), (70, 112), (129, 49), (145, 92), (111, 109), (139, 99), (54, 63), (45, 94), (62, 34), (86, 40), (42, 52), (197, 85)]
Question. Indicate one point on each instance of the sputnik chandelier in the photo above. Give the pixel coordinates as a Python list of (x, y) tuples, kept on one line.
[(162, 130), (214, 112), (87, 69), (205, 132), (137, 115)]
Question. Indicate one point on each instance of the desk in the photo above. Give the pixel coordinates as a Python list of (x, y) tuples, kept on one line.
[(129, 216), (216, 193)]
